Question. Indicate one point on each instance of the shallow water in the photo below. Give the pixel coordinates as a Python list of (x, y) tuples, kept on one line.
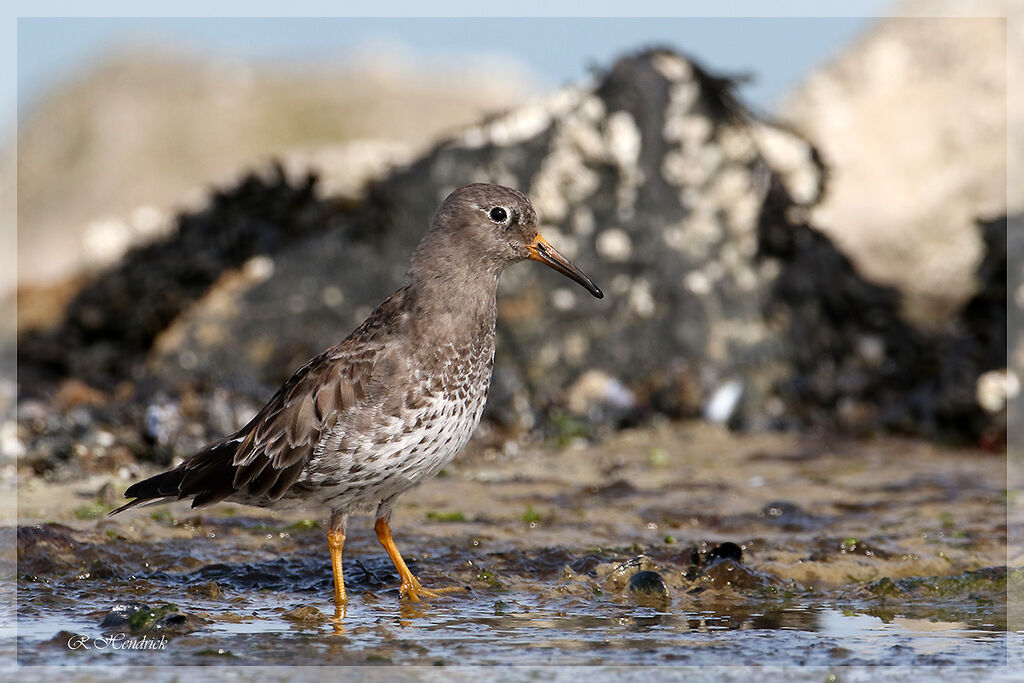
[(771, 550)]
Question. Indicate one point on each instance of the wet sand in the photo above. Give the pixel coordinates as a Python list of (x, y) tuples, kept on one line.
[(670, 545)]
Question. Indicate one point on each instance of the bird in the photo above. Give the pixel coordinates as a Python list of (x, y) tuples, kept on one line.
[(392, 404)]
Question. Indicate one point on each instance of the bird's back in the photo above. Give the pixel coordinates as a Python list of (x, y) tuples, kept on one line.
[(370, 417)]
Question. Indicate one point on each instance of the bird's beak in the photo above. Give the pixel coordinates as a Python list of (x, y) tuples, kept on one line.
[(541, 251)]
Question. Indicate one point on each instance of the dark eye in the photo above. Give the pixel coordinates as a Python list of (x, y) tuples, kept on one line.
[(498, 214)]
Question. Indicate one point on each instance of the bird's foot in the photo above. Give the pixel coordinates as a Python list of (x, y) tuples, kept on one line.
[(412, 589)]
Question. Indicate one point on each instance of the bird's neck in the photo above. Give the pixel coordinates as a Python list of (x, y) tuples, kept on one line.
[(455, 291)]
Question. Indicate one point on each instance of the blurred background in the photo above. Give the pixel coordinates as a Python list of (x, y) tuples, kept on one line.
[(151, 110), (124, 123), (889, 136)]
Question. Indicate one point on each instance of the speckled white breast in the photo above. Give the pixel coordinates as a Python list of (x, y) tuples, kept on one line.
[(356, 472)]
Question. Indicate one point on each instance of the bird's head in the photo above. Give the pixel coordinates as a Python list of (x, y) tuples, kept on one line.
[(499, 225)]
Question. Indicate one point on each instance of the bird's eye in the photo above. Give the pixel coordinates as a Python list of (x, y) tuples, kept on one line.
[(498, 214)]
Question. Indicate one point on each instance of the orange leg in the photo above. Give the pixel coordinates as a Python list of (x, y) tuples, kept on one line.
[(335, 542), (411, 587)]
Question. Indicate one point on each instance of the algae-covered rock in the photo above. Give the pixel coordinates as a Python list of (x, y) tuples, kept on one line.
[(306, 615), (136, 617)]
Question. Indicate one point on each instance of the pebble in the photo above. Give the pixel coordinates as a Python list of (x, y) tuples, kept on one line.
[(648, 589), (307, 614), (724, 551), (732, 573), (109, 495), (139, 617), (622, 573), (648, 583), (208, 589)]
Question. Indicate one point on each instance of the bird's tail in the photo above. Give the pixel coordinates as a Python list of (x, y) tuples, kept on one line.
[(206, 477)]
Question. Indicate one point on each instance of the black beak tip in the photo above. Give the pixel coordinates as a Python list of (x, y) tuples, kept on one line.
[(598, 294)]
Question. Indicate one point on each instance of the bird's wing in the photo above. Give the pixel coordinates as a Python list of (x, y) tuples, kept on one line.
[(267, 456), (278, 443)]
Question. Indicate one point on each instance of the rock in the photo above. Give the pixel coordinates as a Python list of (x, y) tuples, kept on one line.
[(66, 640), (925, 382), (789, 516), (600, 398), (162, 421), (619, 576), (45, 549), (720, 567), (732, 574), (705, 554), (136, 617), (603, 165), (307, 615), (111, 323), (987, 583), (828, 549), (109, 495), (723, 296), (210, 590), (907, 79), (648, 588), (618, 488), (120, 614), (721, 405), (724, 551)]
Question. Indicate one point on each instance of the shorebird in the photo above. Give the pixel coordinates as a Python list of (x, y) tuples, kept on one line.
[(387, 408)]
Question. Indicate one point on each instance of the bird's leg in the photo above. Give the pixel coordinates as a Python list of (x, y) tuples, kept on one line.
[(335, 542), (411, 587)]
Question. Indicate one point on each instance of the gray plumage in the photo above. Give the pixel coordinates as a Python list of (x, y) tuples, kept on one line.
[(392, 404)]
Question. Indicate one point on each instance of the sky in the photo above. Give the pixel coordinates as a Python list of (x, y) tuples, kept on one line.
[(777, 52)]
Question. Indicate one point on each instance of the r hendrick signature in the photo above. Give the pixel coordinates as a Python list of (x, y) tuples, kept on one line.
[(116, 641)]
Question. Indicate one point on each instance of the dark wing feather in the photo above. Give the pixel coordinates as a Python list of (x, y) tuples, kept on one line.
[(280, 440), (264, 458)]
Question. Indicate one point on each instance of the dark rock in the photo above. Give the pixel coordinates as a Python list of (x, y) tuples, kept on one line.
[(720, 567), (119, 615), (855, 363), (648, 583), (705, 554), (724, 551), (44, 549), (208, 589), (732, 573), (612, 490), (109, 495), (648, 589), (136, 617), (728, 574), (985, 583), (620, 576), (111, 323), (307, 615), (67, 641)]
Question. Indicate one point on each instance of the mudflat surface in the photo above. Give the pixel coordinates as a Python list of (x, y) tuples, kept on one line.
[(671, 545)]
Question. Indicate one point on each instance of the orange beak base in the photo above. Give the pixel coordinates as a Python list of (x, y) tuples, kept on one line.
[(541, 251)]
